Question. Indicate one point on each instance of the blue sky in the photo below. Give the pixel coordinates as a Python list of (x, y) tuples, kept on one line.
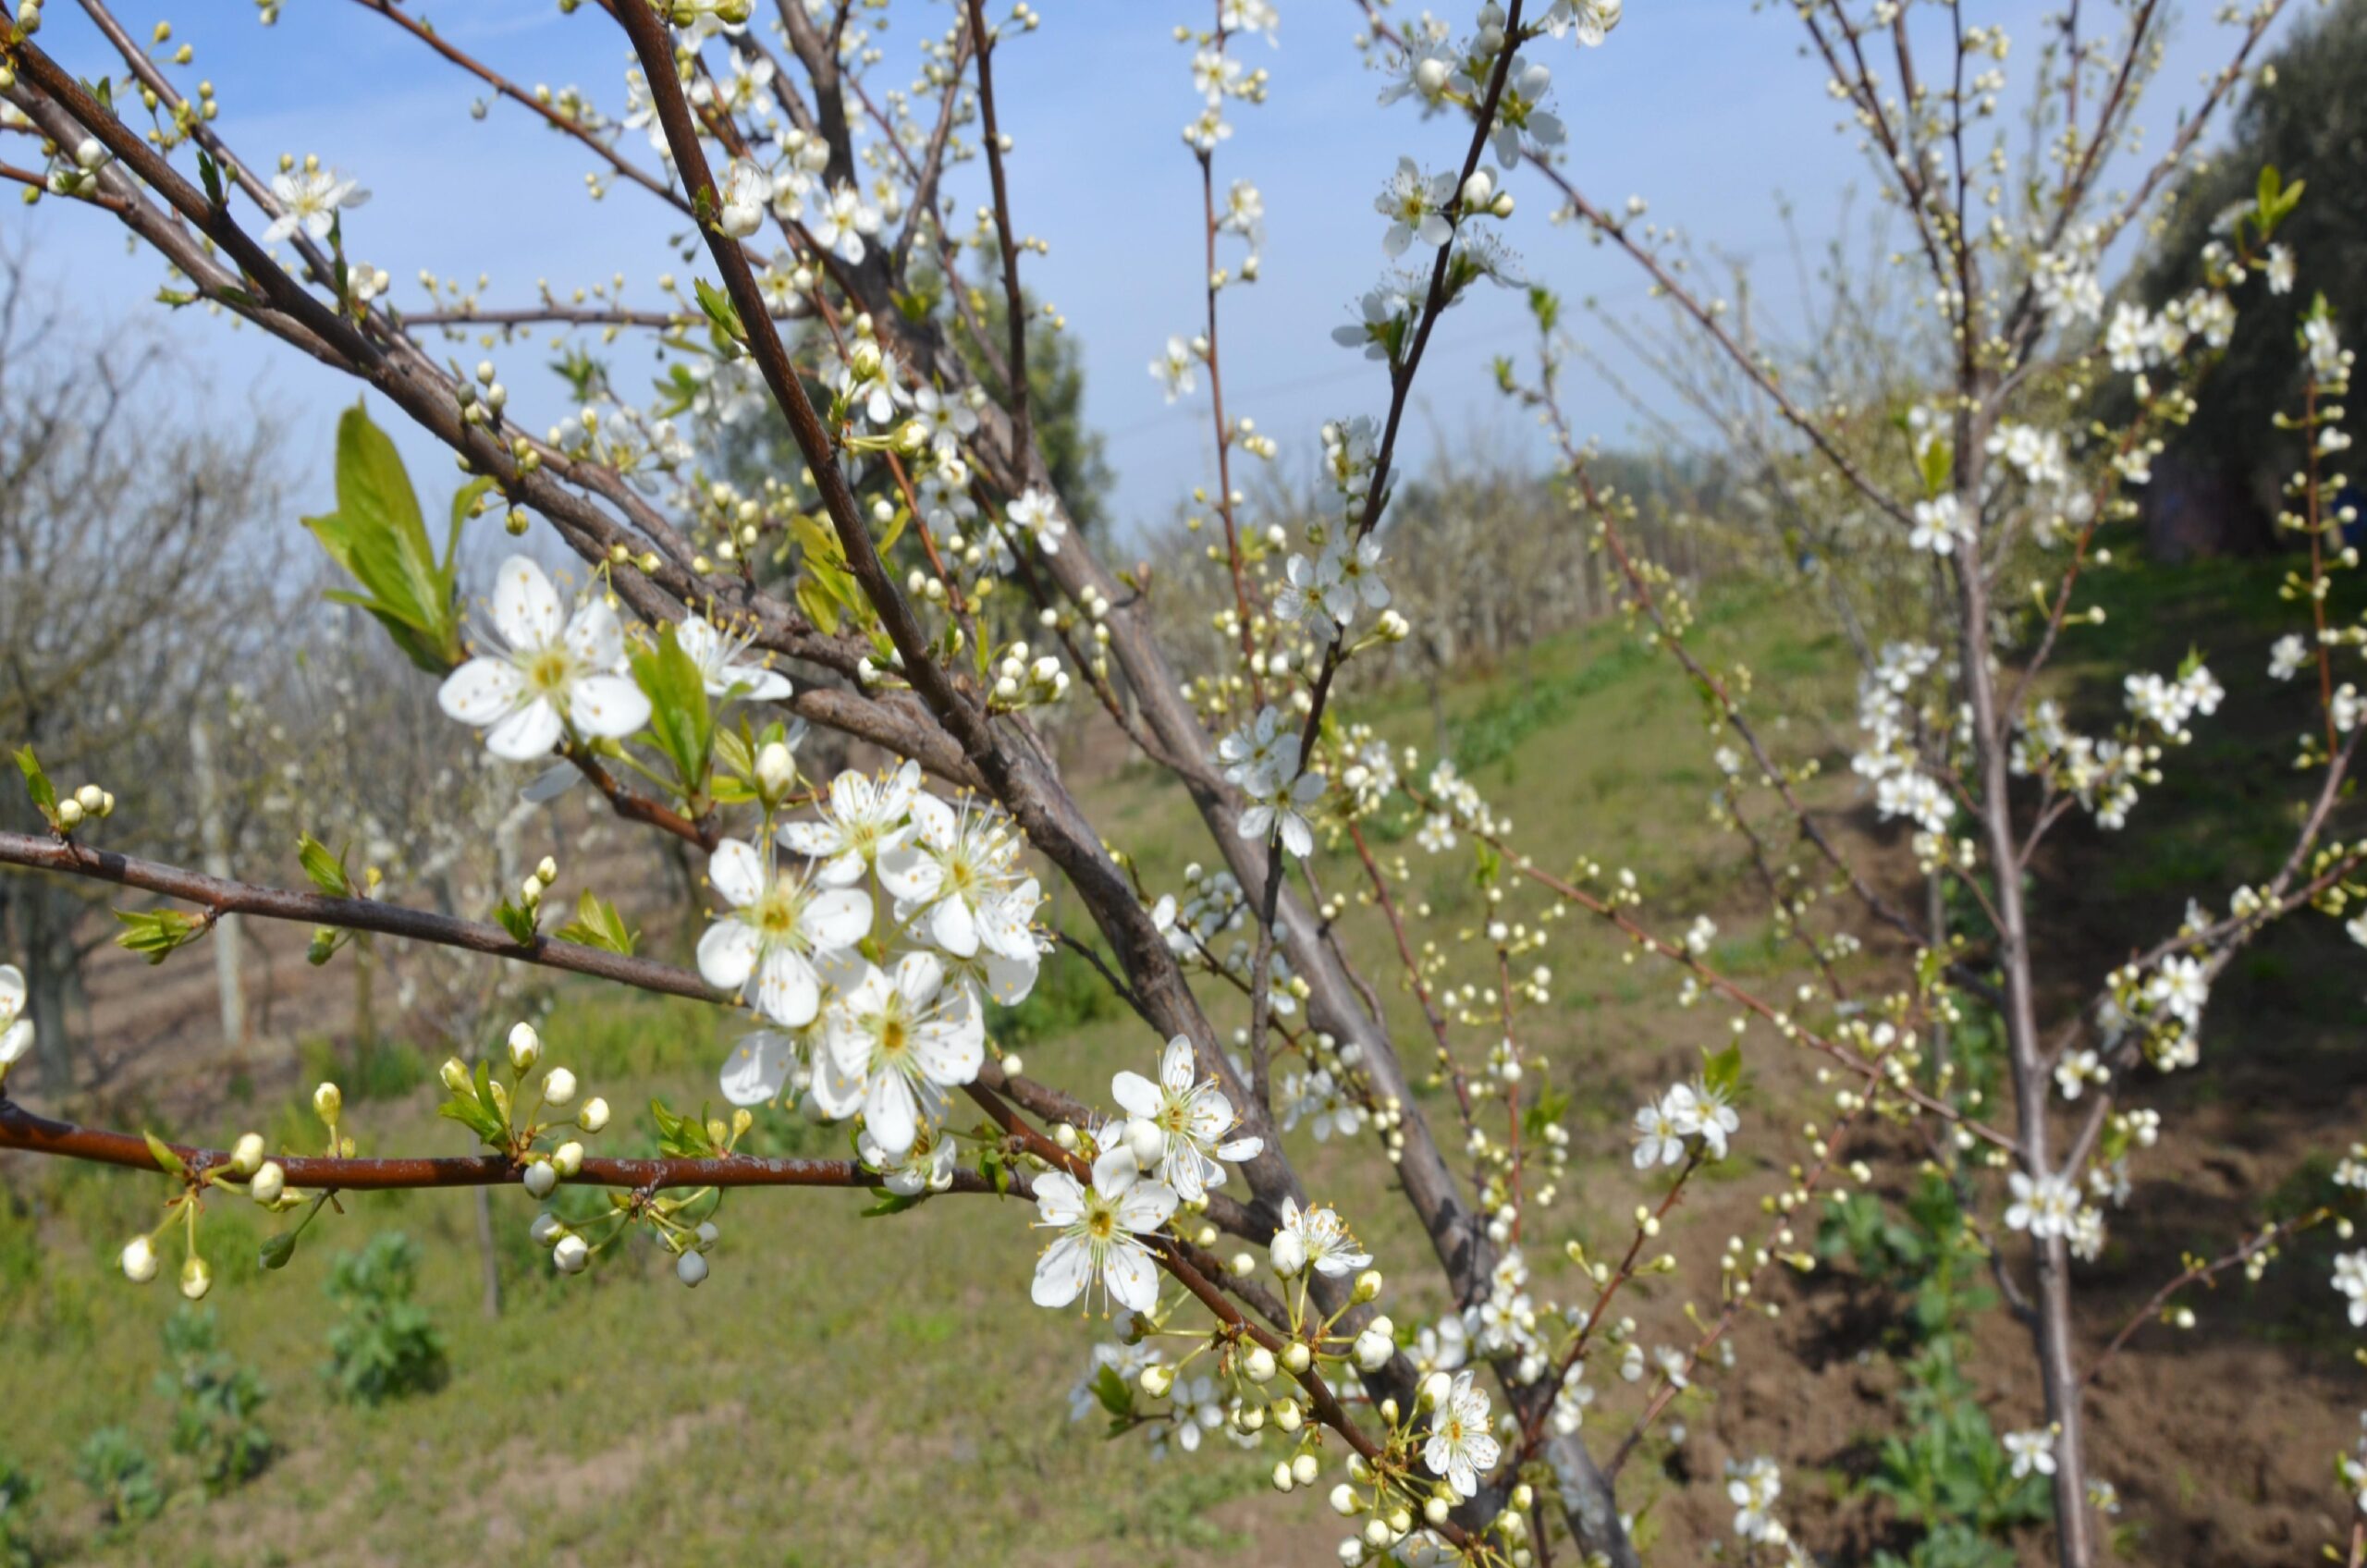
[(1704, 106)]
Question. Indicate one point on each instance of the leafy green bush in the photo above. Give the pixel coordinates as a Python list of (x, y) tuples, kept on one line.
[(120, 1474), (17, 1549), (215, 1403), (1945, 1471), (386, 1346)]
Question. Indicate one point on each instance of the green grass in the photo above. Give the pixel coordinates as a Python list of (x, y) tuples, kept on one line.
[(845, 1389)]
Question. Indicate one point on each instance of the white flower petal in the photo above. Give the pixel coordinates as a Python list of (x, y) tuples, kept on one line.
[(526, 606), (527, 734), (737, 871), (728, 954), (1132, 1277), (481, 690), (759, 1066), (787, 991), (839, 918), (609, 705), (1061, 1273)]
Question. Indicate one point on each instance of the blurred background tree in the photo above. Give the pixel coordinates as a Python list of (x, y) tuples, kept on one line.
[(2215, 489)]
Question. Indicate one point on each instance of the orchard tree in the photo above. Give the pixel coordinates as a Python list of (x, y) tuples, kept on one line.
[(132, 576), (873, 926)]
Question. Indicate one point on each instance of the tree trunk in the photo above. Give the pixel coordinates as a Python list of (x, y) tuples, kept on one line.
[(216, 838)]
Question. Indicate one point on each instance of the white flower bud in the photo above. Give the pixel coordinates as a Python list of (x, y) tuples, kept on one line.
[(1157, 1381), (1369, 1287), (455, 1073), (90, 153), (691, 1269), (1258, 1364), (1147, 1143), (525, 1047), (1437, 1388), (1297, 1356), (1437, 1510), (196, 1278), (568, 1159), (1343, 1500), (1431, 75), (1306, 1468), (776, 769), (91, 798), (540, 1178), (708, 1233), (571, 1255), (864, 361), (1283, 1479), (1287, 1253), (546, 1229), (327, 1101), (1479, 189), (546, 871), (268, 1183), (139, 1260), (1373, 1351), (558, 1088), (594, 1116), (246, 1155), (70, 813)]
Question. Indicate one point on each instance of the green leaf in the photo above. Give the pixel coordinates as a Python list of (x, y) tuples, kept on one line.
[(161, 1152), (597, 925), (1722, 1072), (1939, 461), (519, 923), (720, 310), (328, 871), (210, 173), (464, 1109), (892, 1202), (156, 933), (1116, 1394), (276, 1250), (37, 784), (681, 1137), (377, 537), (680, 720)]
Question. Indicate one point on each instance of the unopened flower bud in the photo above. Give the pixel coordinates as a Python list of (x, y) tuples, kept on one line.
[(327, 1101), (541, 1177), (1297, 1356), (268, 1183), (246, 1155), (691, 1269), (1146, 1141), (525, 1047), (558, 1088), (1283, 1480), (546, 1229), (570, 1254), (547, 869), (1258, 1364), (776, 769), (594, 1116), (139, 1260), (1344, 1501), (91, 798), (1306, 1468), (1368, 1285), (1437, 1388), (196, 1278), (1437, 1510), (1288, 1253), (455, 1073), (568, 1158), (1157, 1381)]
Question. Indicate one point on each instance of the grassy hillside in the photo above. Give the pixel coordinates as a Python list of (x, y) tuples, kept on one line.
[(846, 1389)]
